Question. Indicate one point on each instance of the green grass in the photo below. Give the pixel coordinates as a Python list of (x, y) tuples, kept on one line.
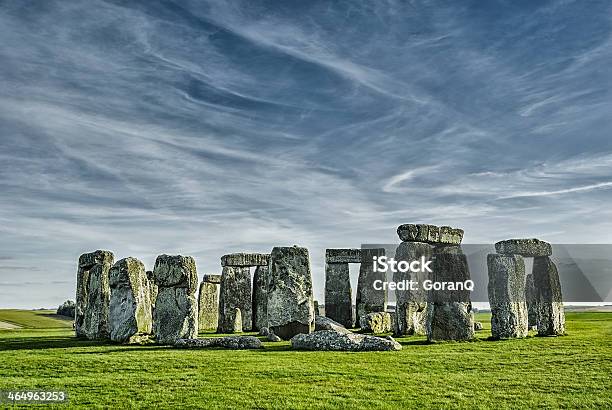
[(573, 371), (35, 319)]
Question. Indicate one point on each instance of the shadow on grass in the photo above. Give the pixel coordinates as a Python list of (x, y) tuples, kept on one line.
[(46, 342)]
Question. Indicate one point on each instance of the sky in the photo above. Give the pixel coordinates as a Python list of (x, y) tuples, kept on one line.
[(206, 128)]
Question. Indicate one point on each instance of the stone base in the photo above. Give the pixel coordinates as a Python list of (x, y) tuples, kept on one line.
[(289, 330)]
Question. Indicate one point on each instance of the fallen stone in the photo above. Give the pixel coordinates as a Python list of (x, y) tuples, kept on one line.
[(528, 248), (208, 306), (449, 313), (273, 338), (325, 323), (68, 309), (290, 301), (216, 279), (338, 294), (532, 301), (93, 295), (176, 309), (507, 296), (245, 259), (235, 292), (369, 299), (378, 322), (340, 341), (343, 256), (430, 234), (260, 298), (228, 342), (130, 316), (551, 314), (477, 326), (264, 331)]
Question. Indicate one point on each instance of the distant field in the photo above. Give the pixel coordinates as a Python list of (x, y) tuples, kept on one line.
[(34, 319), (574, 371)]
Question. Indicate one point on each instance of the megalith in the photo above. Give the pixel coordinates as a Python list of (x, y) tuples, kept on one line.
[(176, 308), (506, 290), (551, 315), (93, 295), (290, 299), (235, 292), (528, 248), (532, 301), (130, 316), (338, 293), (152, 288), (208, 304), (237, 321), (411, 305), (369, 299), (449, 312), (260, 298)]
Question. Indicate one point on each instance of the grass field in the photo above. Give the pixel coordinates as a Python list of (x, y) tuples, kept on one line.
[(574, 371)]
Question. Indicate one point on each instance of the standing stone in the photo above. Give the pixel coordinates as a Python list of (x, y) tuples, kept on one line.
[(338, 294), (449, 313), (208, 306), (290, 307), (317, 308), (507, 296), (532, 301), (551, 315), (235, 292), (237, 322), (93, 295), (152, 288), (260, 298), (370, 300), (378, 322), (411, 305), (130, 317), (176, 309)]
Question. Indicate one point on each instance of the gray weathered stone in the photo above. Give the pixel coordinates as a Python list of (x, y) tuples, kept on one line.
[(507, 296), (430, 234), (216, 279), (551, 314), (130, 317), (376, 322), (370, 299), (449, 313), (325, 323), (260, 297), (411, 305), (208, 306), (93, 295), (176, 309), (343, 255), (341, 341), (317, 308), (152, 288), (290, 301), (524, 247), (531, 297), (68, 309), (227, 342), (264, 331), (273, 338), (235, 292), (477, 326), (245, 259), (237, 325), (338, 294)]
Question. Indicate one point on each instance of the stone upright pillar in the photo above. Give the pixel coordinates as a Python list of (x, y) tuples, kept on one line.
[(411, 305), (370, 300), (208, 303), (93, 295), (532, 301), (176, 309), (450, 315), (260, 298), (290, 300), (551, 314), (338, 294), (506, 289), (130, 317), (235, 292)]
